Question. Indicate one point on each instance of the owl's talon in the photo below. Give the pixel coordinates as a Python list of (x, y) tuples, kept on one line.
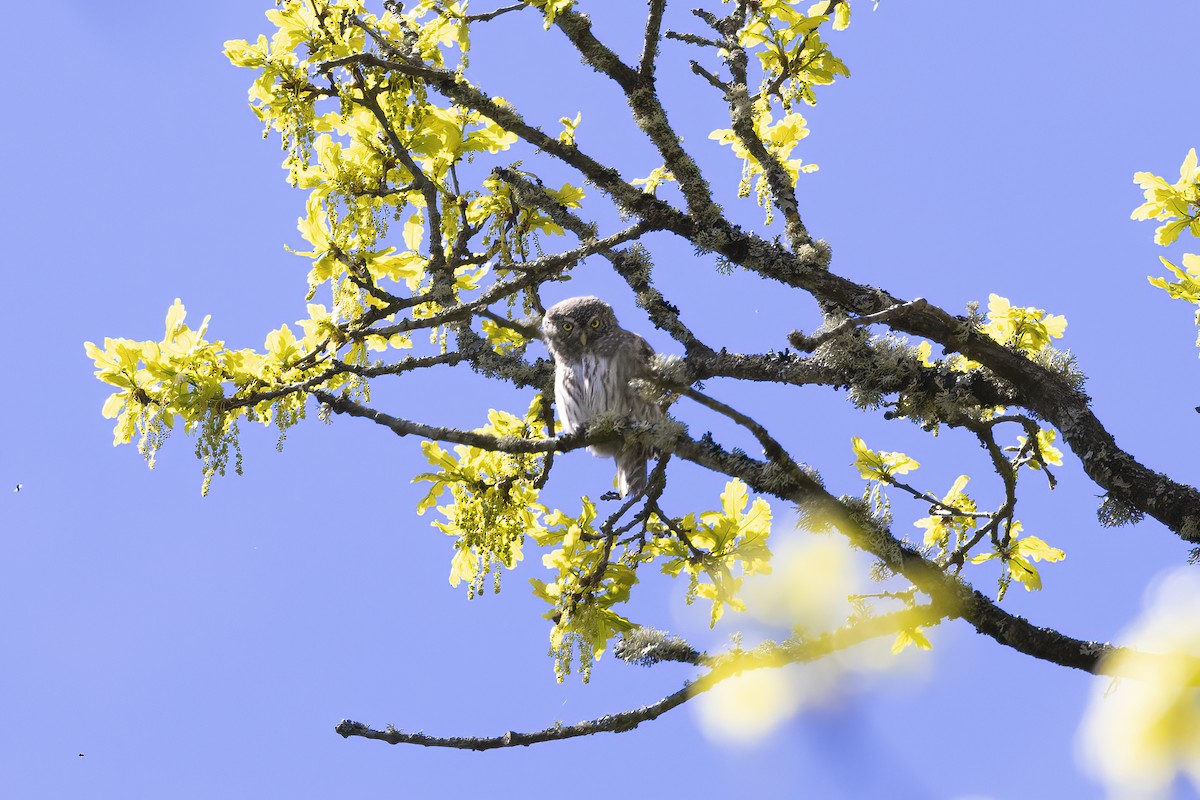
[(610, 495)]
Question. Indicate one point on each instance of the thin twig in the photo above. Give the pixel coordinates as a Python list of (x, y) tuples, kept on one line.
[(718, 84), (939, 507), (545, 268), (771, 447), (650, 42), (723, 668), (490, 15), (691, 38), (361, 278), (811, 343), (507, 444), (665, 519), (338, 368)]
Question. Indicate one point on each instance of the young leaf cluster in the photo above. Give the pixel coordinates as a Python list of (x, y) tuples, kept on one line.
[(955, 524), (1177, 207)]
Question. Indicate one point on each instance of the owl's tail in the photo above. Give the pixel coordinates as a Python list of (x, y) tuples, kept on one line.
[(631, 470)]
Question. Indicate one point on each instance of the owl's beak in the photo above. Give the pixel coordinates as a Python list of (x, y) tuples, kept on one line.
[(583, 339)]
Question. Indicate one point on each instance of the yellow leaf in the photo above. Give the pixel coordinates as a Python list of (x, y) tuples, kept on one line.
[(1056, 325), (114, 404), (569, 126), (758, 521), (914, 637), (414, 232), (281, 344), (570, 196), (175, 316), (657, 177), (463, 567), (841, 17), (924, 350), (881, 465), (734, 498), (1026, 573), (502, 339), (1187, 169), (1038, 550), (1051, 454), (314, 226)]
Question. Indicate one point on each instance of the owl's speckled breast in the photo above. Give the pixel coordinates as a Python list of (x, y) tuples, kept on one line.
[(583, 392)]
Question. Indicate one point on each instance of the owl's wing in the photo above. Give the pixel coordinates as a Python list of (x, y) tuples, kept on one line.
[(632, 360)]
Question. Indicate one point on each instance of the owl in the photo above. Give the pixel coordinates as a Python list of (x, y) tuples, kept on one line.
[(594, 360)]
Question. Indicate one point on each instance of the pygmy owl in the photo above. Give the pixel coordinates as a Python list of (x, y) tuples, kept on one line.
[(594, 360)]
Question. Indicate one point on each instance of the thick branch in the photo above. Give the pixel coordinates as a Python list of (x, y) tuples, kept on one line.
[(1041, 390), (509, 367), (741, 115), (648, 112), (823, 510), (646, 646)]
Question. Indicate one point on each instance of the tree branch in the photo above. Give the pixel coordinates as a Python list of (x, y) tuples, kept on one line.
[(1041, 390), (650, 43), (648, 112), (442, 287), (771, 446), (633, 268), (338, 368), (713, 81), (822, 510), (741, 115), (691, 38), (819, 507), (507, 444), (455, 88), (532, 274), (811, 343), (723, 668), (490, 15)]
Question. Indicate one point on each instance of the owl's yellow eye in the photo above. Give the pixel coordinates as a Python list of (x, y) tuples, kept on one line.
[(568, 326), (595, 322)]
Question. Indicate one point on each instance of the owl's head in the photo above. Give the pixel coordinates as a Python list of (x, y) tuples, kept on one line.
[(577, 325)]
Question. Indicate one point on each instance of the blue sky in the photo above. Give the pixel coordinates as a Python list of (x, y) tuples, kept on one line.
[(199, 647)]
